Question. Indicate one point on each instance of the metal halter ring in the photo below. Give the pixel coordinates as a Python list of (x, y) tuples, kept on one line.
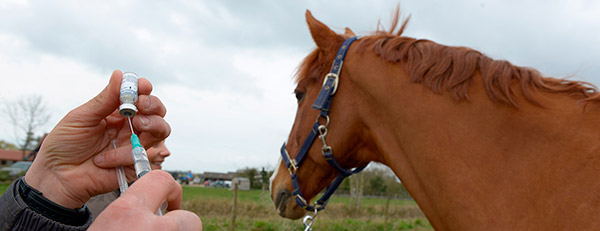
[(326, 119), (301, 199), (293, 165)]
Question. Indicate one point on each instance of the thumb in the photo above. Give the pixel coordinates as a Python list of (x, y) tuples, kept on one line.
[(106, 102), (184, 220)]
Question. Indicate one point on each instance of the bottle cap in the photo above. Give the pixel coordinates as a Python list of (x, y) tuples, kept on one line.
[(127, 110)]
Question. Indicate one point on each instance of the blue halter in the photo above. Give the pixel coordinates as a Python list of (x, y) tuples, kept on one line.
[(322, 103)]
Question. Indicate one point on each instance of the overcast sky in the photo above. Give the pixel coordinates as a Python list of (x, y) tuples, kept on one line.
[(224, 68)]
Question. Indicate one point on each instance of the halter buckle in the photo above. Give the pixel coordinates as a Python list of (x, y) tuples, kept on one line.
[(336, 80), (293, 167)]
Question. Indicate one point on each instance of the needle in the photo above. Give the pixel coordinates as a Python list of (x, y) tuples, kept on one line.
[(130, 126)]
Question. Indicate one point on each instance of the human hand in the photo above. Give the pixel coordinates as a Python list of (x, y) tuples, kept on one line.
[(64, 170), (135, 209)]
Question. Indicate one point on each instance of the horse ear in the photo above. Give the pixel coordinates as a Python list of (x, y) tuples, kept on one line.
[(349, 33), (324, 37)]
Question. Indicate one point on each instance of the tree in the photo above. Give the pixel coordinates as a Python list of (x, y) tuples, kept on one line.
[(356, 191), (8, 146), (264, 177), (378, 185), (27, 116)]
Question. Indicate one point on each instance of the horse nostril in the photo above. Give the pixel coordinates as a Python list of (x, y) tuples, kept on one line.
[(281, 199)]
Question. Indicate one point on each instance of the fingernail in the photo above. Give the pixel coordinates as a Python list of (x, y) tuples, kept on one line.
[(145, 120), (99, 159)]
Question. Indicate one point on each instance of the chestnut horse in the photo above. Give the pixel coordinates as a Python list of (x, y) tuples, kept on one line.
[(479, 143)]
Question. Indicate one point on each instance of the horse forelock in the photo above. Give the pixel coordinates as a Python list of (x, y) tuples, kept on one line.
[(452, 69), (312, 67)]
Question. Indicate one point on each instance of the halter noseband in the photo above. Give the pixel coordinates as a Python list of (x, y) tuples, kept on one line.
[(322, 103)]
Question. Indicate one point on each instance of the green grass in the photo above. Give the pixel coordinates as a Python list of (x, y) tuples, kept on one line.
[(190, 192), (256, 212), (3, 187)]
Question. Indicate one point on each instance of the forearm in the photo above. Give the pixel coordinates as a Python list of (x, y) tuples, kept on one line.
[(21, 208)]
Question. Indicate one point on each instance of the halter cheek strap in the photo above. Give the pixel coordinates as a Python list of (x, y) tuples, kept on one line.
[(322, 103)]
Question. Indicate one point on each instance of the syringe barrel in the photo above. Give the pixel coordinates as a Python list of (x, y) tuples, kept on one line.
[(140, 161), (128, 94)]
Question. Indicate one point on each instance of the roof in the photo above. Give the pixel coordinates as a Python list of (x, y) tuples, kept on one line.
[(240, 179), (218, 175), (15, 155)]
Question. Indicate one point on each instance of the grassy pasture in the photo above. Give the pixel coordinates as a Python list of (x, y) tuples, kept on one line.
[(256, 212)]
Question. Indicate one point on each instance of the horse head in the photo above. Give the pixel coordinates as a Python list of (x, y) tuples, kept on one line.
[(344, 132)]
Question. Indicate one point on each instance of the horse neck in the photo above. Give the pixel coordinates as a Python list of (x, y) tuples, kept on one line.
[(480, 165)]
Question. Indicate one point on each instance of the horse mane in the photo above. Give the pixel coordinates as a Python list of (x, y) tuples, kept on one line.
[(440, 68)]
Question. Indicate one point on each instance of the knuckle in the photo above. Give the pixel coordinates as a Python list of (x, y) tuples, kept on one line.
[(163, 177)]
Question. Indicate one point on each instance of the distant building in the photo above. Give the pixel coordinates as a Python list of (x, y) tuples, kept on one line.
[(11, 156), (243, 183), (8, 157), (217, 176)]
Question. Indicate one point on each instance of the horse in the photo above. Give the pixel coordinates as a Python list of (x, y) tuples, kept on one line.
[(480, 144)]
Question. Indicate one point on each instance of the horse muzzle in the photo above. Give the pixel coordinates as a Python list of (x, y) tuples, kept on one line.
[(286, 205)]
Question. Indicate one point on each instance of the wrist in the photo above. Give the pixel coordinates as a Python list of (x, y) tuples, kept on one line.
[(41, 205), (49, 186)]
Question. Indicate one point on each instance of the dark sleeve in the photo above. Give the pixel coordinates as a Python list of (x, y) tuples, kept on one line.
[(24, 208), (98, 203)]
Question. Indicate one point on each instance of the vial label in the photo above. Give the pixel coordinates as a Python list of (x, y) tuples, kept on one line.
[(128, 94), (129, 86)]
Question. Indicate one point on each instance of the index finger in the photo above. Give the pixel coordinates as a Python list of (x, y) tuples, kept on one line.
[(144, 86), (152, 189)]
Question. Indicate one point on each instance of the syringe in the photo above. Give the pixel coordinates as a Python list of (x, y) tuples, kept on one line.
[(140, 160), (128, 97), (121, 178)]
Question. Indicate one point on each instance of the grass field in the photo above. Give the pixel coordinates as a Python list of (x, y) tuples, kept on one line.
[(256, 212), (3, 187)]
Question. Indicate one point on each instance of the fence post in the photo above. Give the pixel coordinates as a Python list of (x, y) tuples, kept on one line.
[(233, 211), (386, 214)]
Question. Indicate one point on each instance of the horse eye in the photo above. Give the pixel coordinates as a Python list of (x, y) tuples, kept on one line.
[(299, 95)]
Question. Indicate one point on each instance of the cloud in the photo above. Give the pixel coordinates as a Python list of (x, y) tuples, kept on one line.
[(225, 126), (554, 37), (224, 68)]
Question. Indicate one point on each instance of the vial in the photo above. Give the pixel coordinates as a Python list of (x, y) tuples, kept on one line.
[(128, 94)]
